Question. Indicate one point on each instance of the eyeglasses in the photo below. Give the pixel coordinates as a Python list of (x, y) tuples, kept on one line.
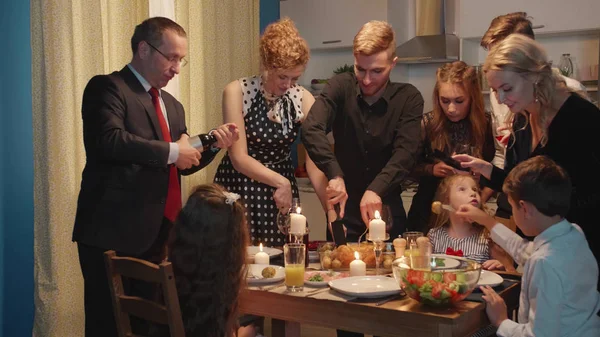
[(182, 62)]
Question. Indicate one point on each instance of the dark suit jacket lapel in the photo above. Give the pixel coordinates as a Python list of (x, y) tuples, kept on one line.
[(144, 98)]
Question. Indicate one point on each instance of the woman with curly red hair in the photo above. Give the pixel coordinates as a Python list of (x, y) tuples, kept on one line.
[(268, 110)]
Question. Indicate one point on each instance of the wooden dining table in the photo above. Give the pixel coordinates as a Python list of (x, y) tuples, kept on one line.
[(401, 317)]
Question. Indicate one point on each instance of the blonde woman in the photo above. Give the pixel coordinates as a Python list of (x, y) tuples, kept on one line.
[(268, 110), (547, 119)]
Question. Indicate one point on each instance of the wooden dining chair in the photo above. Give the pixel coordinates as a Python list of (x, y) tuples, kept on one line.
[(124, 305)]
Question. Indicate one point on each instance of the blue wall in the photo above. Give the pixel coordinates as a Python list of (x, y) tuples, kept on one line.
[(16, 172), (269, 12)]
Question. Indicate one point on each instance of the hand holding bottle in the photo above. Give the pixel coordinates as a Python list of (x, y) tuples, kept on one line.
[(188, 155)]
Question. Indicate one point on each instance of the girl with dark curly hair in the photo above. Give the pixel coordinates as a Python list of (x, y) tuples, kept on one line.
[(208, 252)]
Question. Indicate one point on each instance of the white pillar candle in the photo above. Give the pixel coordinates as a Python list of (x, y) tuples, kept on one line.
[(377, 228), (297, 222), (358, 267), (261, 257)]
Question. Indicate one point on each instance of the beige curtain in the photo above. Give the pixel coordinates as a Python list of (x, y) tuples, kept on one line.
[(223, 46), (73, 40)]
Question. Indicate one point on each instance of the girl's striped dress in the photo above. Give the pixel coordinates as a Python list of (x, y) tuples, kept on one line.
[(475, 247)]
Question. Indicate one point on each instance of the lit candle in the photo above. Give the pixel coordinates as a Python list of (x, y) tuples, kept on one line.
[(261, 257), (297, 222), (358, 267), (377, 228)]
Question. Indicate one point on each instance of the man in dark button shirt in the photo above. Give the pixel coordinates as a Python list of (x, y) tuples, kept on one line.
[(376, 128)]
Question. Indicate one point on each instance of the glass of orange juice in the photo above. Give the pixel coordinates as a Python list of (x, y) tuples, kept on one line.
[(294, 255)]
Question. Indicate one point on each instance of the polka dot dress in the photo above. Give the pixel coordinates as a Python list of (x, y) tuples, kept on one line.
[(271, 128)]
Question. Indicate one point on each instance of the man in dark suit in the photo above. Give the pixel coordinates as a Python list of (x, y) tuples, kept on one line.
[(136, 149)]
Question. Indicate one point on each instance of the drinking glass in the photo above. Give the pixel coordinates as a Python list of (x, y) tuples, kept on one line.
[(283, 219), (422, 260), (411, 238), (294, 255), (464, 149)]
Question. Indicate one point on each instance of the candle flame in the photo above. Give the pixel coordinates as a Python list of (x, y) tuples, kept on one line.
[(298, 210), (356, 256), (261, 247), (377, 216)]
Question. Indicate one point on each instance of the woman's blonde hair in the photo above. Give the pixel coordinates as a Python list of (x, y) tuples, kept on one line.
[(282, 47), (526, 57), (442, 195), (374, 37), (458, 73)]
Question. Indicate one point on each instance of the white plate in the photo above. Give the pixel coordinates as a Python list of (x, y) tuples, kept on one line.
[(327, 276), (255, 274), (366, 286), (488, 278), (252, 250), (449, 262)]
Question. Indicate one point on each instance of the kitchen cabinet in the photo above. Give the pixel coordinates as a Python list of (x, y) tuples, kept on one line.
[(556, 16), (328, 24)]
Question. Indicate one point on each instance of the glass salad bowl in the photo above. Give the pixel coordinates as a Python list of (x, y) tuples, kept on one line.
[(447, 280)]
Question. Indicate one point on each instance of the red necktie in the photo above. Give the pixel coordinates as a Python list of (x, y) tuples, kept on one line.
[(173, 205)]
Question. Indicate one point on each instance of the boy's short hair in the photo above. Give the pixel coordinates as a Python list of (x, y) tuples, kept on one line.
[(374, 37), (504, 25), (541, 182)]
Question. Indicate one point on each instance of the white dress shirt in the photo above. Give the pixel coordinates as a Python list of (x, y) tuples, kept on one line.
[(558, 290), (173, 147)]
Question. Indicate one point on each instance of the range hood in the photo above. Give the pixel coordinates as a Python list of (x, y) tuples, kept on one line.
[(431, 44)]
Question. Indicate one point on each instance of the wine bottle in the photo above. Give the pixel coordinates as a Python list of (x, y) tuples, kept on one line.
[(202, 141)]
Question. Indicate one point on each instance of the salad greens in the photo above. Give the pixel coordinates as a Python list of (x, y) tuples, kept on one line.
[(435, 288), (316, 278)]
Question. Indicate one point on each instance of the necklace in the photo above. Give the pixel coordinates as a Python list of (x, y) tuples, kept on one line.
[(270, 99)]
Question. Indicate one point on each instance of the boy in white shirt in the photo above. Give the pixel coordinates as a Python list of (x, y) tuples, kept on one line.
[(558, 292)]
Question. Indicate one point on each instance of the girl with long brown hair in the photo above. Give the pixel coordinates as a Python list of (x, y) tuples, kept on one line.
[(208, 252), (457, 124)]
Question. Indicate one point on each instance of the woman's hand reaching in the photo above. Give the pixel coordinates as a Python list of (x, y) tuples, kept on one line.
[(477, 166), (283, 196)]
